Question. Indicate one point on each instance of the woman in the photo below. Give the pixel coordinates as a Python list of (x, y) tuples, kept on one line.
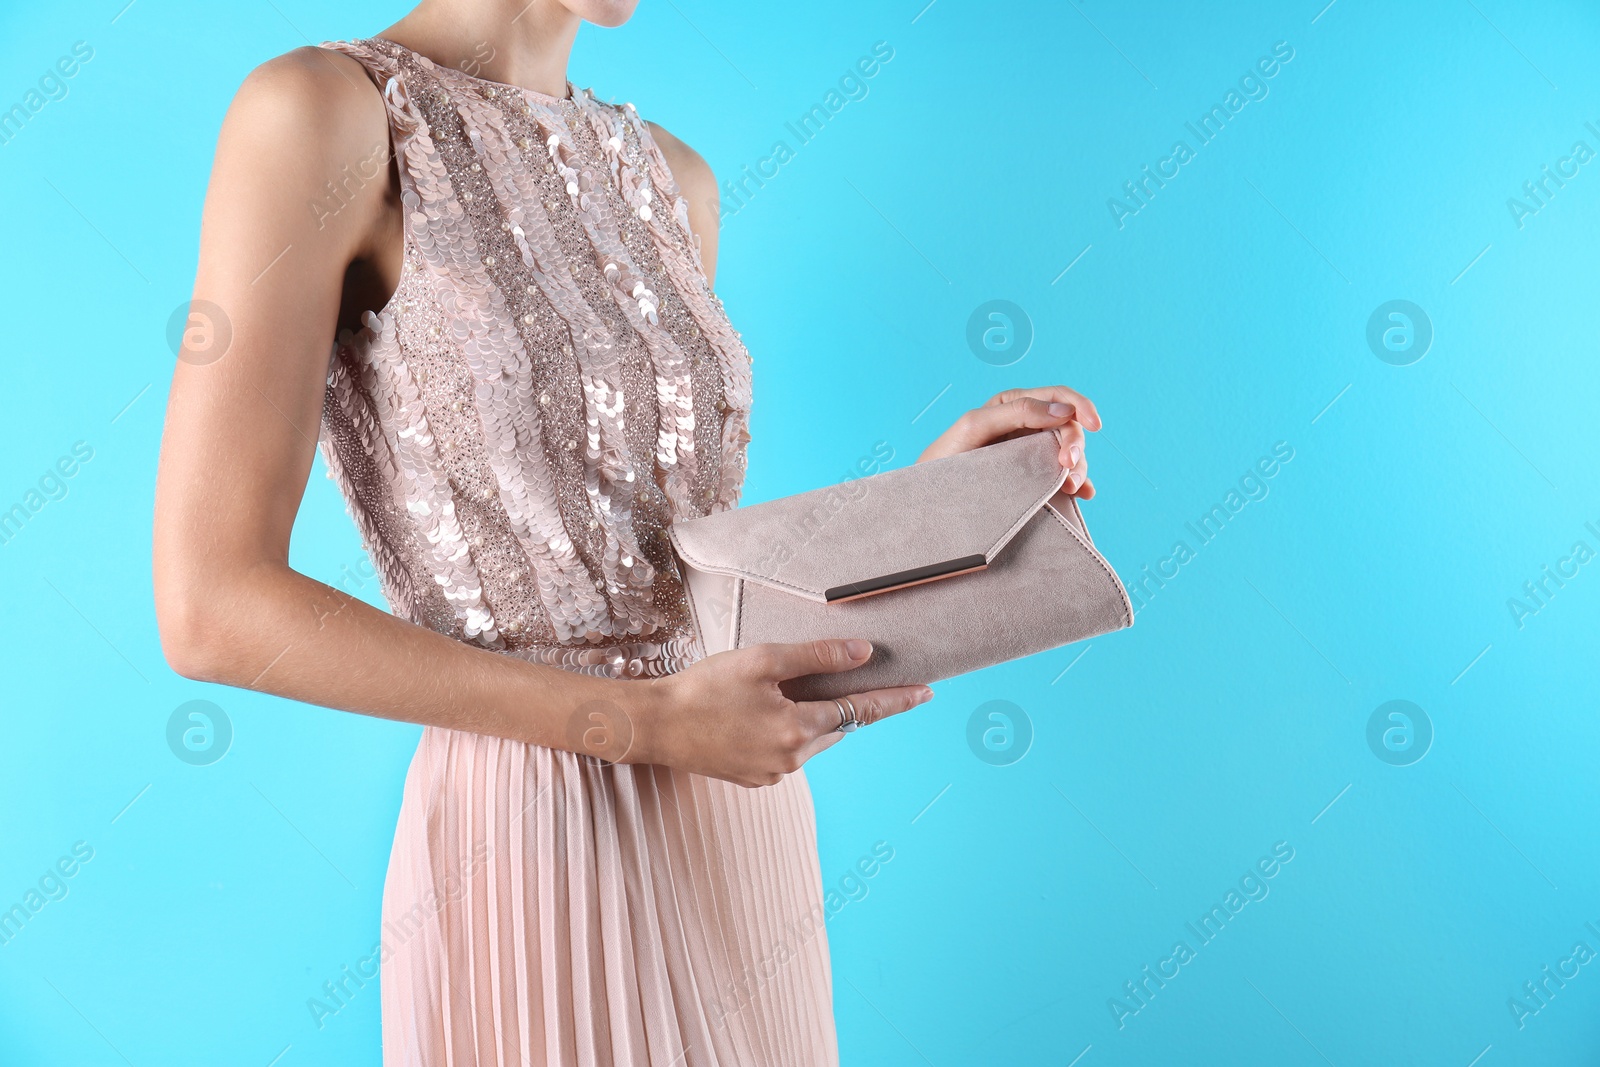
[(530, 380)]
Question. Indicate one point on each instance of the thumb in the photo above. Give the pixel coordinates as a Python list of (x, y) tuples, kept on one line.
[(825, 656)]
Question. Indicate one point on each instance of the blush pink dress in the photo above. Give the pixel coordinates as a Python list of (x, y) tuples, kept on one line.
[(550, 387)]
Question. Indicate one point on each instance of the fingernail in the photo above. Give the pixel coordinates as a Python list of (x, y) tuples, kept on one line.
[(924, 695), (1075, 454), (858, 649), (1060, 411)]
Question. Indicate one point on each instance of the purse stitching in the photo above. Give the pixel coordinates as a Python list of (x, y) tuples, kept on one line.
[(1116, 583), (737, 572), (1027, 517), (738, 614), (1083, 527)]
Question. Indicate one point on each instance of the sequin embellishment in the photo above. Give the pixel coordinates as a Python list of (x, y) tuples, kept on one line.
[(551, 385)]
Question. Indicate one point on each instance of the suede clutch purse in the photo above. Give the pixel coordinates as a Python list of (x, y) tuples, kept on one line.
[(946, 567)]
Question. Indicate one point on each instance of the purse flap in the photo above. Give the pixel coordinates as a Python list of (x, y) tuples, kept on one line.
[(869, 535)]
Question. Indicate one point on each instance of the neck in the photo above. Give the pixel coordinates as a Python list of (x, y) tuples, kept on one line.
[(511, 41)]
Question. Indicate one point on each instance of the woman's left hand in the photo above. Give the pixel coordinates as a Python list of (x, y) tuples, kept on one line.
[(1021, 411)]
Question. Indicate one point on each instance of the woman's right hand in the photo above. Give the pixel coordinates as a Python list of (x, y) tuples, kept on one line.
[(726, 716)]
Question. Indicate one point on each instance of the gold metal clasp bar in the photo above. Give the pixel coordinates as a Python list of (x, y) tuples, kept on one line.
[(902, 579)]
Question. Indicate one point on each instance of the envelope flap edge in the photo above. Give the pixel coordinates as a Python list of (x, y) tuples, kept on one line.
[(914, 519)]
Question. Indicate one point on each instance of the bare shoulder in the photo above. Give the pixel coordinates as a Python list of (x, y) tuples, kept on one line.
[(688, 166), (300, 125), (320, 96), (301, 120), (699, 187)]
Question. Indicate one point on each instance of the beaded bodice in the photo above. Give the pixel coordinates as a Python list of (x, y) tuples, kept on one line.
[(552, 384)]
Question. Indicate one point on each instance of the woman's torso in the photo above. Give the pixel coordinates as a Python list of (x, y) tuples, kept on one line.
[(551, 385)]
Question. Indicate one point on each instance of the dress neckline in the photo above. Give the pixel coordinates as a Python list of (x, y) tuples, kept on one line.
[(489, 82)]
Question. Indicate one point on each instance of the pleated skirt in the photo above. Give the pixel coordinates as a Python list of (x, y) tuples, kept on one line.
[(545, 908)]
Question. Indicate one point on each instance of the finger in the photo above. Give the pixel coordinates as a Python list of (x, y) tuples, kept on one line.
[(824, 716), (875, 706), (1085, 491), (1076, 477), (1072, 455), (1087, 412), (981, 426), (827, 656)]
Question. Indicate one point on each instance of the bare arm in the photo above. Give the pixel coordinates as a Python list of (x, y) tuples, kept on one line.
[(238, 448), (699, 188)]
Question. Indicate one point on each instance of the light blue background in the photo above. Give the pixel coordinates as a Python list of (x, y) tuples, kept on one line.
[(1224, 317)]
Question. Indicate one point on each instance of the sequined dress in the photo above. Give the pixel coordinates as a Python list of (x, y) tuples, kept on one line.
[(552, 385)]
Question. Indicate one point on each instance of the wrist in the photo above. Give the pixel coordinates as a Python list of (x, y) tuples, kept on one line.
[(643, 707)]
